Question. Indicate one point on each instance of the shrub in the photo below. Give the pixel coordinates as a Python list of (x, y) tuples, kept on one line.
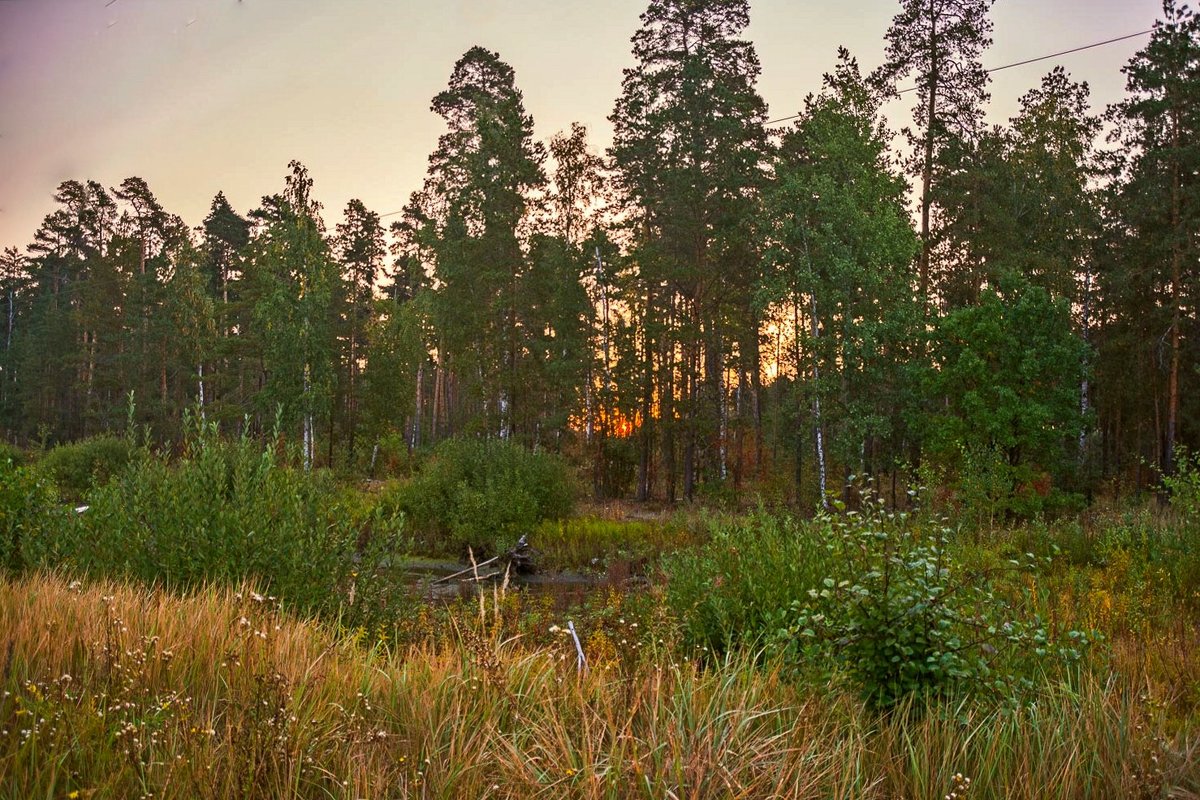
[(28, 511), (1184, 487), (483, 495), (77, 467), (734, 589), (898, 617), (12, 453), (392, 458), (228, 512)]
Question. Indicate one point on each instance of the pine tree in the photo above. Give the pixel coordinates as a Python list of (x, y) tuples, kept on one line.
[(70, 330), (939, 43), (148, 238), (1019, 200), (16, 284), (226, 235), (688, 148), (476, 200), (360, 249), (1156, 214)]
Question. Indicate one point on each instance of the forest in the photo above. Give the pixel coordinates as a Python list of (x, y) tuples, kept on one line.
[(859, 461), (711, 305)]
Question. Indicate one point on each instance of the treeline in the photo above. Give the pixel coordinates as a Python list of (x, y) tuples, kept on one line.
[(711, 302)]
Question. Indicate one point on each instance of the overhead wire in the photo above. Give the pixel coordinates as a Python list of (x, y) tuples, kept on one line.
[(1010, 66)]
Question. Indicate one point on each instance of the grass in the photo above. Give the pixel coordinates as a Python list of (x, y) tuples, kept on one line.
[(594, 543), (116, 691)]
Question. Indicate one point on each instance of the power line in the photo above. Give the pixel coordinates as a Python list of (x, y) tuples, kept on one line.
[(1014, 64)]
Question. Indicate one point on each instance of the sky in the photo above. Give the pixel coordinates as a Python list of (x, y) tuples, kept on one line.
[(197, 96)]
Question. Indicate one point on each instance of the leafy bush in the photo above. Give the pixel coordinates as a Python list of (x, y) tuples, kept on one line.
[(12, 453), (28, 511), (733, 589), (483, 495), (1008, 369), (1184, 486), (392, 457), (77, 467), (228, 512), (898, 617)]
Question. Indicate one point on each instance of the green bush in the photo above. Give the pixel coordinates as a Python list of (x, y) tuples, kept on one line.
[(12, 453), (229, 512), (483, 495), (77, 467), (897, 615), (1184, 487), (29, 513), (733, 590), (392, 457)]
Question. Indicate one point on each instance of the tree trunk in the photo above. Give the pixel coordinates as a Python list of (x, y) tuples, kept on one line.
[(818, 431), (927, 165), (1176, 279), (643, 491)]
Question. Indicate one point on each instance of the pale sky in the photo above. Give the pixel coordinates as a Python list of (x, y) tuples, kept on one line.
[(198, 96)]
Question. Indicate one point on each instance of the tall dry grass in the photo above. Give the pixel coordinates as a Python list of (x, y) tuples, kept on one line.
[(112, 691)]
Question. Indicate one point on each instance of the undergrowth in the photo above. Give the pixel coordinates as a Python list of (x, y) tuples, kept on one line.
[(115, 691)]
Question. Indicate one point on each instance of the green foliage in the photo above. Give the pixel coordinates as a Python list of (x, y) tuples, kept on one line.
[(228, 512), (79, 466), (393, 351), (28, 509), (1184, 487), (294, 311), (1009, 369), (729, 592), (392, 458), (14, 454), (840, 263), (985, 489), (899, 616), (483, 495)]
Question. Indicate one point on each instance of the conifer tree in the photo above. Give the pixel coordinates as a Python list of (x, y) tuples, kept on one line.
[(688, 148), (939, 44), (1156, 226), (476, 201), (360, 249)]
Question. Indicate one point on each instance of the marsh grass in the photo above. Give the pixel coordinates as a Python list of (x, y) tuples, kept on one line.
[(117, 691), (595, 544)]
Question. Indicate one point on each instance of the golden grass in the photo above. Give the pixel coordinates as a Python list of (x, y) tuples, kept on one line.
[(112, 691)]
